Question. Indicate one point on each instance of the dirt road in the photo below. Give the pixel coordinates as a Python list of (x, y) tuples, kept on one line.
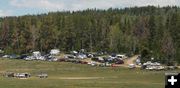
[(81, 78), (131, 60)]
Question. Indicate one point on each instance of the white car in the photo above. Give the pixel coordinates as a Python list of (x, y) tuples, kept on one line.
[(6, 56), (29, 58), (40, 58), (131, 66)]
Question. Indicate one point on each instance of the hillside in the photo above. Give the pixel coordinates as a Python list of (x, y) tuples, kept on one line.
[(149, 31)]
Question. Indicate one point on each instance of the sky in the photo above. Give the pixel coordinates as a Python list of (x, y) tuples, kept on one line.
[(24, 7)]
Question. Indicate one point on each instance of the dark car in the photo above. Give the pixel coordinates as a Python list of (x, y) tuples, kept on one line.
[(113, 55), (23, 56), (119, 62)]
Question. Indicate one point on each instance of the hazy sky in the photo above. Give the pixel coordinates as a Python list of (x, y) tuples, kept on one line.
[(22, 7)]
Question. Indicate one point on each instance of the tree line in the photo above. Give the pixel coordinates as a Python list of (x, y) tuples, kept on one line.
[(149, 31)]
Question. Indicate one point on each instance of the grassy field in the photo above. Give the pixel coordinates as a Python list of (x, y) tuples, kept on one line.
[(68, 75)]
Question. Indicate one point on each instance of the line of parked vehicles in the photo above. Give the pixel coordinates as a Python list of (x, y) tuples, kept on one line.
[(24, 75), (36, 55), (102, 59), (96, 59), (149, 65)]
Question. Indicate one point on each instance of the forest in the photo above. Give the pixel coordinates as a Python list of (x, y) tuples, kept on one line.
[(149, 31)]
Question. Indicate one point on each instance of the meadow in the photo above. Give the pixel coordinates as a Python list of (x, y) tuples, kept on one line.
[(70, 75)]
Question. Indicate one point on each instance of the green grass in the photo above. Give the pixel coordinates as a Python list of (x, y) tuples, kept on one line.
[(118, 77)]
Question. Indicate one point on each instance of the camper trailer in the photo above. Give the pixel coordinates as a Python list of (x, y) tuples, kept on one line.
[(121, 56)]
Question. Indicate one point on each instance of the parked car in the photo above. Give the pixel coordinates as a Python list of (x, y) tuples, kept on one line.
[(48, 56), (106, 64), (81, 56), (119, 62), (6, 56), (22, 75), (53, 59), (23, 56), (13, 56), (70, 57), (29, 58), (98, 59), (42, 75), (92, 63), (90, 55), (132, 66)]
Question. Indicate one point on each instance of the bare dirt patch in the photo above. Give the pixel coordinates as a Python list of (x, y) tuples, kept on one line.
[(79, 78)]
